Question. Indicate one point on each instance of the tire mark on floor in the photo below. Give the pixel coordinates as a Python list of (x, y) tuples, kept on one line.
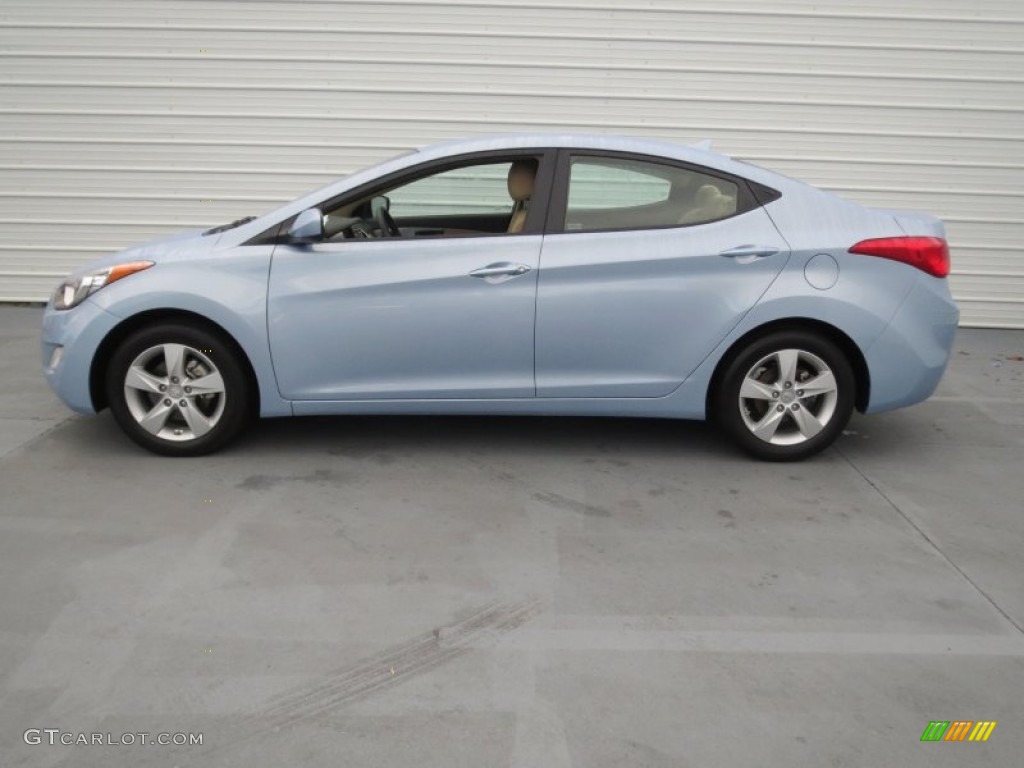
[(481, 628), (397, 664), (558, 501)]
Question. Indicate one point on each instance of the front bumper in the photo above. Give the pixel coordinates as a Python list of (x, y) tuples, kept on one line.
[(908, 359), (79, 332)]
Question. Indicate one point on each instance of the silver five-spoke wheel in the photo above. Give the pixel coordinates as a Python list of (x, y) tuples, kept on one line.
[(788, 397), (175, 392), (179, 388)]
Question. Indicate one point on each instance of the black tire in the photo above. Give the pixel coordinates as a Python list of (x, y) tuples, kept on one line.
[(739, 418), (206, 352)]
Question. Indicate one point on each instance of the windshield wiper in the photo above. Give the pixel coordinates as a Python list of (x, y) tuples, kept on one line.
[(232, 225)]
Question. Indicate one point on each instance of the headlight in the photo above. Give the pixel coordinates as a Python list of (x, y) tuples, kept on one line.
[(75, 290)]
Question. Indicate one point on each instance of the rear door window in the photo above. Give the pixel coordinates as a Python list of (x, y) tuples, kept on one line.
[(611, 193)]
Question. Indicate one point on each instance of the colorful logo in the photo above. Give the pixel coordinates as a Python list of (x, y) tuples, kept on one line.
[(958, 730)]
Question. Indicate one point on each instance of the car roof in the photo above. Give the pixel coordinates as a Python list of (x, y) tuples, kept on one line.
[(596, 141)]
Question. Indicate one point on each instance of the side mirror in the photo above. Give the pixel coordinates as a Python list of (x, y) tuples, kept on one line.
[(308, 227)]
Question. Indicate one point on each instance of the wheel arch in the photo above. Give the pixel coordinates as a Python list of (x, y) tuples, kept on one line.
[(101, 360), (861, 374)]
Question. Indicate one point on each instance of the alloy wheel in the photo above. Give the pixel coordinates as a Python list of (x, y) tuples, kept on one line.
[(788, 397), (175, 392)]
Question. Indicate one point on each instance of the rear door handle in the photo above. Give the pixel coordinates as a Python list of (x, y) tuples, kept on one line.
[(500, 269), (750, 252)]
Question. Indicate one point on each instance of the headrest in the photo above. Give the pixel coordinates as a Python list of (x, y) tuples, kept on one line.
[(520, 179), (707, 195), (709, 204)]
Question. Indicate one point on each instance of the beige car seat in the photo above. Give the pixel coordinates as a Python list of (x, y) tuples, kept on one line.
[(521, 178)]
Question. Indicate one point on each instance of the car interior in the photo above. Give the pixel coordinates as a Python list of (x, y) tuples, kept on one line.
[(611, 193), (492, 198)]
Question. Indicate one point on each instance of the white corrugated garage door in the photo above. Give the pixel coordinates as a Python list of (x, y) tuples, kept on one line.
[(125, 119)]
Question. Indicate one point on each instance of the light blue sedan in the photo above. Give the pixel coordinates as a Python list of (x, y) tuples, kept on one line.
[(543, 274)]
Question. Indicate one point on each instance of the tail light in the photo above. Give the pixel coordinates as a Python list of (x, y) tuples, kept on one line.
[(929, 254)]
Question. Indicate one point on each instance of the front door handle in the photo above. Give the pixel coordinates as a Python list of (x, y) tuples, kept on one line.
[(750, 252), (500, 269)]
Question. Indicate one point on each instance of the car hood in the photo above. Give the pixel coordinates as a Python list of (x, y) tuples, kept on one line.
[(166, 248)]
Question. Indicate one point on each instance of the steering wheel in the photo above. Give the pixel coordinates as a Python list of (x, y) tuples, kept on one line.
[(387, 225)]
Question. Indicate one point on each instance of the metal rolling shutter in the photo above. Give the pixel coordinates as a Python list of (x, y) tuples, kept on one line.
[(125, 119)]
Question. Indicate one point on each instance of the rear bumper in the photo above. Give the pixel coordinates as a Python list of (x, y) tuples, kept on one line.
[(78, 332), (907, 361)]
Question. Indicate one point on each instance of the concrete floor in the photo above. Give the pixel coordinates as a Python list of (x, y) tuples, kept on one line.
[(530, 592)]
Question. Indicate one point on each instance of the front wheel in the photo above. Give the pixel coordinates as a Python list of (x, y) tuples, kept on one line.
[(786, 396), (177, 390)]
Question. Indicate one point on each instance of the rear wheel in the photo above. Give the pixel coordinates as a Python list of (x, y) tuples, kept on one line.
[(786, 396), (178, 390)]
